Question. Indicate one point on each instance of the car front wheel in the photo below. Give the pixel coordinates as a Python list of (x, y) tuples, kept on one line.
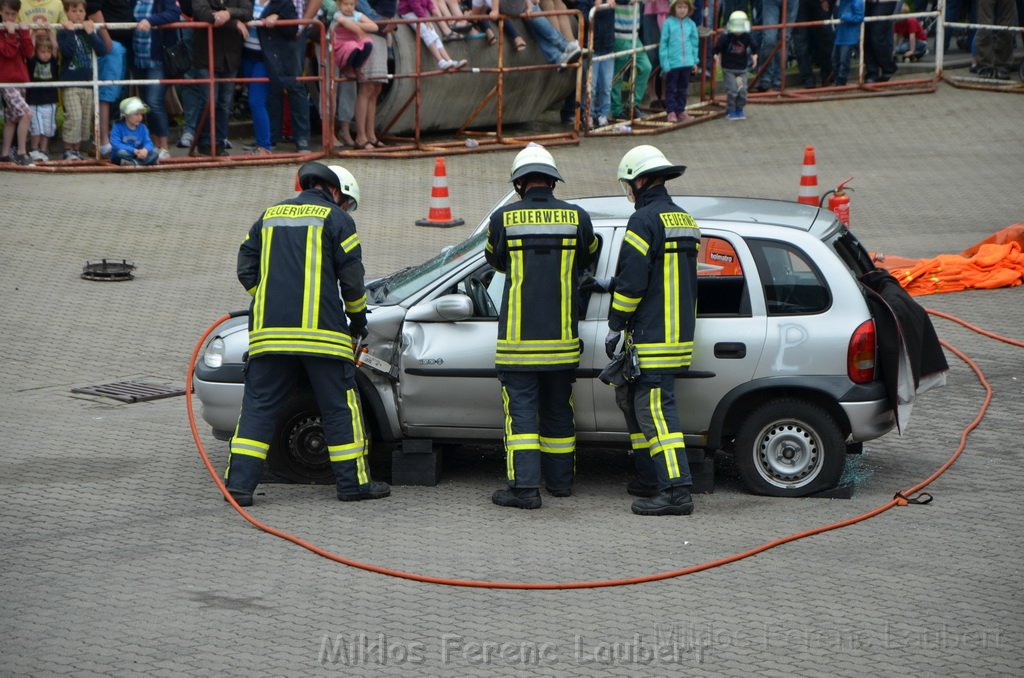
[(789, 448)]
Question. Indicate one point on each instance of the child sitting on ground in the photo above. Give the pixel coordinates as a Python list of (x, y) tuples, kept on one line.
[(351, 43), (15, 48), (42, 100), (130, 142), (412, 9), (679, 56), (733, 52), (76, 48)]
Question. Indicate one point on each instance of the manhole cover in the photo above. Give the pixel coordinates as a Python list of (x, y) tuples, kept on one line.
[(108, 270), (132, 391)]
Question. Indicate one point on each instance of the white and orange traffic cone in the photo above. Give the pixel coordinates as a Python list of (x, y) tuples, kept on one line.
[(809, 180), (440, 205)]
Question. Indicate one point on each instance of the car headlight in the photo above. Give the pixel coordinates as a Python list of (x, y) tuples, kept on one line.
[(214, 354)]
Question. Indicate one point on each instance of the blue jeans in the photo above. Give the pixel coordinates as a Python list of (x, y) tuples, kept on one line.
[(841, 55), (222, 106), (153, 96), (677, 82), (117, 156), (258, 91), (771, 13), (601, 97), (551, 42), (298, 101)]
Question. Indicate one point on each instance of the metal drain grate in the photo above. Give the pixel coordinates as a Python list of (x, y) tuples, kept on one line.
[(112, 271), (132, 391)]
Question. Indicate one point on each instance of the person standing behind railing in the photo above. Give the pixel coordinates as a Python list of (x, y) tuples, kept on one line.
[(627, 22), (114, 64), (42, 100), (679, 56), (147, 63), (879, 64), (771, 14), (228, 18), (995, 48), (851, 16), (15, 48), (292, 62), (76, 48), (374, 72), (44, 12), (260, 60)]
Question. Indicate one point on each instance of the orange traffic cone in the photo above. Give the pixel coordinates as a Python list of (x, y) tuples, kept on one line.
[(440, 206), (809, 179)]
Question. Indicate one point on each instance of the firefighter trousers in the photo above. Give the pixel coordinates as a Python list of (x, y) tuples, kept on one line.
[(540, 428), (268, 381), (656, 435)]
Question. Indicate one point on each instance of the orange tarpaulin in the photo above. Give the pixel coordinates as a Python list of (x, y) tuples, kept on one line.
[(996, 261)]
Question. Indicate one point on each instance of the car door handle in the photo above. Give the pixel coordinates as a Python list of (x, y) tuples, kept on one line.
[(730, 350)]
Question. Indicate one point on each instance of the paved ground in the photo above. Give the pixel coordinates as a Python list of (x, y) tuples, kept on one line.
[(117, 556)]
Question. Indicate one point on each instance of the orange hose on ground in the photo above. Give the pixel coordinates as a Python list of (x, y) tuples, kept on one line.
[(900, 499)]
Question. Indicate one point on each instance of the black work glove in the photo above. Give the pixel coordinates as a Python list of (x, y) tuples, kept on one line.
[(591, 284), (357, 326), (611, 342)]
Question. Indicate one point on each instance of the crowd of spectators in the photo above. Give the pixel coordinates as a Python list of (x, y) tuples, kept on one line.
[(56, 40)]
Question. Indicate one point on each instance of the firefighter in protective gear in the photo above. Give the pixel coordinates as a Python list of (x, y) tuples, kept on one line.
[(654, 293), (542, 244), (293, 261)]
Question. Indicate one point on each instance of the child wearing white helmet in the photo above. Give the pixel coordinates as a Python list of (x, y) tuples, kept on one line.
[(735, 53), (130, 142)]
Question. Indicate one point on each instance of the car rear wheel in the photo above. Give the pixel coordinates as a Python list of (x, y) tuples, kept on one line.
[(298, 452), (789, 448)]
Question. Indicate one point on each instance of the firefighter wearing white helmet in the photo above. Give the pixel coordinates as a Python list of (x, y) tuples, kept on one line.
[(543, 245), (293, 261), (654, 295)]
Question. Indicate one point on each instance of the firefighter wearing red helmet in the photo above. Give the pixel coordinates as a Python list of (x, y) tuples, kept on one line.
[(654, 295), (543, 245), (293, 261)]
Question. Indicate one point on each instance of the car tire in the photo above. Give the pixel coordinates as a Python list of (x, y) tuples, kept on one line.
[(298, 452), (789, 448)]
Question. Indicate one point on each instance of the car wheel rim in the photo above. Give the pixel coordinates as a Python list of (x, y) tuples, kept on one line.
[(307, 445), (788, 454)]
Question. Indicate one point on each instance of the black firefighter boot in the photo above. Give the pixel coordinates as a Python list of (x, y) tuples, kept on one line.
[(518, 497), (672, 501)]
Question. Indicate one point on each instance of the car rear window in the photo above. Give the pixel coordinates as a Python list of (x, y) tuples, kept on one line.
[(792, 284)]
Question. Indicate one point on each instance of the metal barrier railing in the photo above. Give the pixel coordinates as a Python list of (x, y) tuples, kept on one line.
[(707, 107)]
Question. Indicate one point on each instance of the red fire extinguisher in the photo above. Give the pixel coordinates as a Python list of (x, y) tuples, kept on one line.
[(839, 201)]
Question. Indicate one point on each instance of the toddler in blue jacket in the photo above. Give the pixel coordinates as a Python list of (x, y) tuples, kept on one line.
[(130, 143)]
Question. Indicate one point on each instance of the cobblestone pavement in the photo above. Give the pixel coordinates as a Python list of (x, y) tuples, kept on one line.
[(117, 555)]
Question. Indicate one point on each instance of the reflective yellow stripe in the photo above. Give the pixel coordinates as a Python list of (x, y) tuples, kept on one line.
[(261, 287), (350, 243), (513, 324), (638, 441), (565, 275), (362, 474), (307, 347), (522, 441), (356, 305), (311, 279), (594, 244), (252, 291), (637, 242), (670, 271), (521, 360), (664, 444), (665, 355), (527, 345), (510, 467), (566, 445), (249, 447), (624, 304)]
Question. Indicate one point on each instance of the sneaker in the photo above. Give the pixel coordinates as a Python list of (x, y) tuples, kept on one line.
[(131, 162), (72, 155), (684, 116), (372, 490), (517, 497), (732, 115), (38, 156), (1002, 74), (674, 501), (186, 139), (22, 160), (740, 115), (163, 154), (302, 145), (571, 53), (640, 115), (445, 64), (105, 149), (227, 143), (602, 120), (672, 117), (459, 64)]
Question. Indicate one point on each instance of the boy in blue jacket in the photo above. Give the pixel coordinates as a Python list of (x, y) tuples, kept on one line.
[(679, 55), (130, 144), (851, 16)]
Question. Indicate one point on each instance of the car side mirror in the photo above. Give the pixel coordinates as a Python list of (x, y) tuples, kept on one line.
[(448, 308)]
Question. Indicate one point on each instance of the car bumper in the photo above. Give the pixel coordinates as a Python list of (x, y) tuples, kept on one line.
[(221, 403), (870, 419)]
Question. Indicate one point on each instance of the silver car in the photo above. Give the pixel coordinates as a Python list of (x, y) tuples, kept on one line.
[(783, 374)]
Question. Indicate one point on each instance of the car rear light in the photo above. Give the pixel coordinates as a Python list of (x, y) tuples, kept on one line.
[(860, 357)]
